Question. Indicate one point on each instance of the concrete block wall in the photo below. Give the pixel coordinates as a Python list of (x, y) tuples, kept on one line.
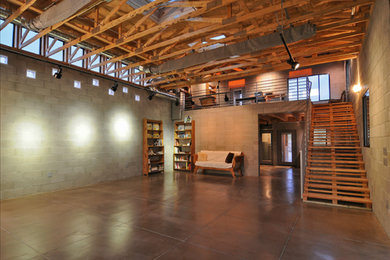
[(55, 136), (372, 69), (236, 128)]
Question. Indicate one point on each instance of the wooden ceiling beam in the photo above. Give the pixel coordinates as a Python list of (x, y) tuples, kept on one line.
[(18, 12), (112, 12), (304, 62), (269, 27), (319, 47), (102, 28), (70, 25), (231, 21), (155, 29)]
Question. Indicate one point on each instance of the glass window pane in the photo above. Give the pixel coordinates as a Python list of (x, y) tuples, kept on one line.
[(113, 67), (6, 35), (266, 146), (324, 87), (292, 89), (96, 61), (314, 93), (78, 54), (59, 55), (33, 47)]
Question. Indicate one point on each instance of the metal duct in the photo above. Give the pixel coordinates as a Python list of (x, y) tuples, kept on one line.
[(56, 14), (292, 34)]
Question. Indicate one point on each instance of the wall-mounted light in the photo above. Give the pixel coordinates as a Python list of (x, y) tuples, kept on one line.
[(357, 88), (58, 74), (293, 63), (115, 86), (151, 95), (226, 98)]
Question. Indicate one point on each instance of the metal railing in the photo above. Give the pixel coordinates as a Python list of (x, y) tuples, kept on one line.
[(261, 91)]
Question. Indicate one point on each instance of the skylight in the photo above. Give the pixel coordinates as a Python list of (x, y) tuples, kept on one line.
[(218, 37), (163, 13)]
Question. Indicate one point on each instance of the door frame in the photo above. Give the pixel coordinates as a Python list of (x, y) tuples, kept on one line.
[(294, 147)]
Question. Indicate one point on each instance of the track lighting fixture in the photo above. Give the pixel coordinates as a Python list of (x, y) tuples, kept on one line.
[(58, 74), (115, 87), (226, 98), (293, 63)]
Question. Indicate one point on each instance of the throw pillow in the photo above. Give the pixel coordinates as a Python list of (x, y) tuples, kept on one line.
[(202, 157), (229, 158)]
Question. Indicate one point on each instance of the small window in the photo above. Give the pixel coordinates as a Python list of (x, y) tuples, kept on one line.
[(54, 71), (366, 118), (3, 59), (137, 98), (31, 74), (95, 82), (125, 90), (111, 92), (77, 84)]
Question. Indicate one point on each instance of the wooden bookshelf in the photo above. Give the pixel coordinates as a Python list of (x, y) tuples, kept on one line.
[(184, 146), (153, 147)]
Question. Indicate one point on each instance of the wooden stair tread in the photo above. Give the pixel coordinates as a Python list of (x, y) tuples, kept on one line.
[(343, 198), (338, 187)]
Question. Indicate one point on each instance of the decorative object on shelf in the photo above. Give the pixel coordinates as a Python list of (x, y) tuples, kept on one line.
[(153, 147), (187, 120), (184, 145)]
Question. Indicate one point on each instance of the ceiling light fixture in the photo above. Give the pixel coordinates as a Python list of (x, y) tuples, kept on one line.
[(293, 63), (58, 74)]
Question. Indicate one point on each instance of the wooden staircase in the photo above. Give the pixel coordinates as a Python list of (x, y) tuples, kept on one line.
[(335, 168)]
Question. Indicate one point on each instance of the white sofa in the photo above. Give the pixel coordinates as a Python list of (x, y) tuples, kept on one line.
[(216, 161)]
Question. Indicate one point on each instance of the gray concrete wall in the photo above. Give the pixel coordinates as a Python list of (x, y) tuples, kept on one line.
[(54, 136), (236, 128), (373, 70)]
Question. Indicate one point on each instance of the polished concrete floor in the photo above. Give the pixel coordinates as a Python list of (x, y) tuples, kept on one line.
[(181, 216)]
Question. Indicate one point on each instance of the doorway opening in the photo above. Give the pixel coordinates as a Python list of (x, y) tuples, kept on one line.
[(280, 138)]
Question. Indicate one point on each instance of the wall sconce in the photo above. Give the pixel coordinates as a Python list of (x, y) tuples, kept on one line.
[(356, 88)]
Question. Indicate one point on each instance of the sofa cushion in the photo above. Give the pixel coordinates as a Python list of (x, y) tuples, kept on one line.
[(202, 156), (218, 165), (216, 156), (229, 158)]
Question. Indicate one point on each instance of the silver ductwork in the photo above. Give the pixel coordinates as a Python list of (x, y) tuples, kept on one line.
[(56, 14), (292, 34)]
